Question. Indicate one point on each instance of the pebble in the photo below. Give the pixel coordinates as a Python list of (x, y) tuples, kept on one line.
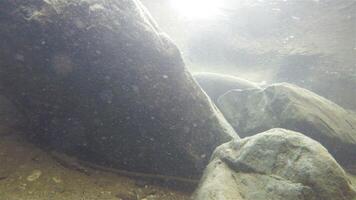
[(35, 174), (57, 180)]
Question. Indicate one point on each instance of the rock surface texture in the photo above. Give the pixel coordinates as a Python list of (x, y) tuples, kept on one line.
[(275, 165), (96, 77), (294, 108), (9, 115)]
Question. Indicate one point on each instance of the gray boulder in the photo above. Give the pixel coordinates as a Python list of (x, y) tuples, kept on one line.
[(294, 108), (10, 117), (215, 84), (97, 79), (275, 165)]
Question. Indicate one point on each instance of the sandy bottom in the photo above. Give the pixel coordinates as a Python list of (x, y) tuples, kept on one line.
[(29, 173)]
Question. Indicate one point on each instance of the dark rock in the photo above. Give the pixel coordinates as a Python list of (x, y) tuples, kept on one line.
[(215, 84), (10, 116), (294, 108), (283, 165), (97, 79)]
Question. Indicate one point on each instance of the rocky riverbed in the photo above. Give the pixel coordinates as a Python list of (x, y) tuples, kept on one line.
[(30, 173), (96, 103)]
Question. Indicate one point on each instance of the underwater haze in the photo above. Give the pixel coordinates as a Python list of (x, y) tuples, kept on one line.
[(178, 100)]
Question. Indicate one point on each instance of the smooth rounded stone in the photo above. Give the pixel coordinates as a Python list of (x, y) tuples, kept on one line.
[(291, 107), (278, 164), (97, 79), (35, 174), (215, 84)]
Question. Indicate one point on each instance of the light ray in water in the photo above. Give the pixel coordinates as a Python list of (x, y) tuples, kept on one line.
[(197, 9)]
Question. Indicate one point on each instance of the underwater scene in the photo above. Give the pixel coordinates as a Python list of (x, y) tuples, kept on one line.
[(177, 99)]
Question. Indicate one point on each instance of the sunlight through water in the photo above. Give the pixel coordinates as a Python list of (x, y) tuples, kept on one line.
[(197, 9)]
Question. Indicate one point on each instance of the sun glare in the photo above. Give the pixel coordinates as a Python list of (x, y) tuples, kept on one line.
[(197, 9)]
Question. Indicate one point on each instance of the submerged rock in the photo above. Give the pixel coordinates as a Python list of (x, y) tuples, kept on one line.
[(215, 84), (294, 108), (277, 164), (10, 116), (97, 79)]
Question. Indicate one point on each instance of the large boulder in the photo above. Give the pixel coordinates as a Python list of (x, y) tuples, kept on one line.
[(10, 117), (275, 165), (215, 84), (294, 108), (97, 79)]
